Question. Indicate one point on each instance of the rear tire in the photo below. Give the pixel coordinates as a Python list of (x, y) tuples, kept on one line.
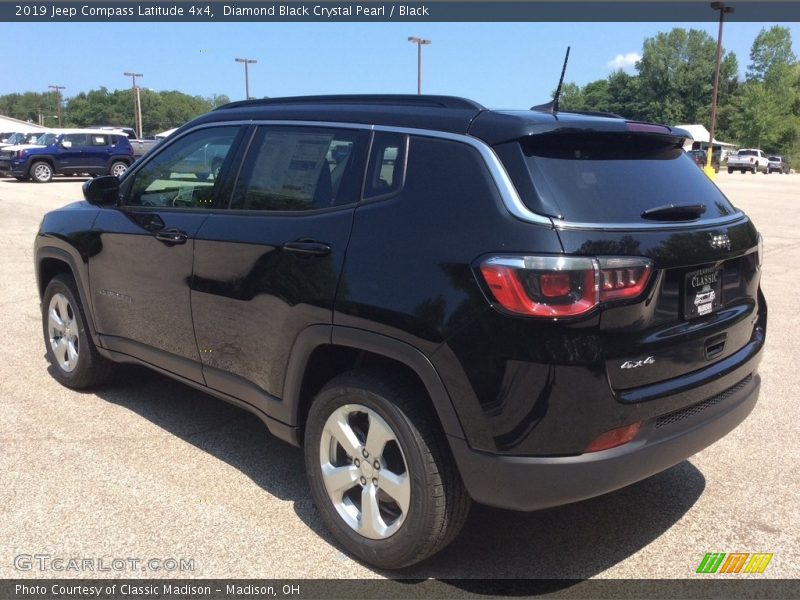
[(371, 437), (117, 168), (730, 170), (70, 350)]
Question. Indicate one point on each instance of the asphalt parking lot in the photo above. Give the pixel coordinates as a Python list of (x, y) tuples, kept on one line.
[(148, 468)]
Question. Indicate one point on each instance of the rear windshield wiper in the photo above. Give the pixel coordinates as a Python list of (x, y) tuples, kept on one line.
[(674, 212)]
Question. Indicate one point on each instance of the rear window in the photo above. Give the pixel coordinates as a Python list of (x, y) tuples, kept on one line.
[(748, 153), (614, 178)]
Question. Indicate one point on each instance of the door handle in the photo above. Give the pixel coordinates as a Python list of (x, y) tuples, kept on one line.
[(308, 248), (172, 236)]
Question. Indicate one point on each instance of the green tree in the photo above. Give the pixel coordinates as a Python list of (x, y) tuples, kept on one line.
[(100, 107), (596, 94), (676, 76), (28, 106), (768, 106), (218, 100), (571, 97), (624, 96), (758, 117), (771, 54), (160, 110)]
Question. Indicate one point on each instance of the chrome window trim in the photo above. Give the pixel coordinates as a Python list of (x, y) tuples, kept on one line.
[(505, 186), (508, 192), (661, 226)]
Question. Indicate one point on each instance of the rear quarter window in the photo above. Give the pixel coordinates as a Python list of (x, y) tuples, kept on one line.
[(614, 178)]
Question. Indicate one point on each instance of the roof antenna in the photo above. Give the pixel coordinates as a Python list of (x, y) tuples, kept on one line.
[(552, 106)]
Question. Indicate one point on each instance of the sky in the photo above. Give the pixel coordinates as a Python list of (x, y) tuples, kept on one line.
[(501, 65)]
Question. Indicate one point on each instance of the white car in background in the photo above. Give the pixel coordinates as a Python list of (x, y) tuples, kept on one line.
[(748, 160)]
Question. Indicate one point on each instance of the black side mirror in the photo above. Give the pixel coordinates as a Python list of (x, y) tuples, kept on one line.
[(102, 191)]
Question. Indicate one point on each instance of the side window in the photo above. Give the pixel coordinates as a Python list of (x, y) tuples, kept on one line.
[(387, 164), (184, 174), (77, 139), (301, 168), (98, 140)]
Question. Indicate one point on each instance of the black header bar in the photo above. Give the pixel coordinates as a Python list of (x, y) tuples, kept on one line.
[(372, 11)]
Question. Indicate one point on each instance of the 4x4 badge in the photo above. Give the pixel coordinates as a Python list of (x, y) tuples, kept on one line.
[(634, 364), (720, 241)]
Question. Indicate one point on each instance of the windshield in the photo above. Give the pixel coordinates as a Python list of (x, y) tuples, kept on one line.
[(16, 138), (614, 178), (44, 139)]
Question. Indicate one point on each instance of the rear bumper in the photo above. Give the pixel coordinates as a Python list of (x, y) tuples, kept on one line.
[(532, 483)]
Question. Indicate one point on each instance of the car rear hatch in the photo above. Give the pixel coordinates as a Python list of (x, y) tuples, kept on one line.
[(635, 193)]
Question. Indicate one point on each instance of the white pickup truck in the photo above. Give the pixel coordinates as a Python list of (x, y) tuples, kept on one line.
[(748, 160)]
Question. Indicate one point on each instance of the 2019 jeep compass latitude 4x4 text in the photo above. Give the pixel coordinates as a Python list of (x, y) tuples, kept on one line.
[(439, 302)]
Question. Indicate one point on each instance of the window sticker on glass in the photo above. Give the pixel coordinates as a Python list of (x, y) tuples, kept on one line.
[(290, 163)]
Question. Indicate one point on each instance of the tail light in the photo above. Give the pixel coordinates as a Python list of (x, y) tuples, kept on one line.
[(622, 278), (562, 286)]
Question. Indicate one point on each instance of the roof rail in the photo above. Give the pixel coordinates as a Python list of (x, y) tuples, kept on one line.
[(382, 99)]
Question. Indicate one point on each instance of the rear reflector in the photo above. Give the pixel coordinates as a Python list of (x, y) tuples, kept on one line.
[(562, 286), (614, 438), (760, 254)]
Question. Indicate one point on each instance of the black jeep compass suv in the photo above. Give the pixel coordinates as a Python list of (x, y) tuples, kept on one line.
[(439, 302)]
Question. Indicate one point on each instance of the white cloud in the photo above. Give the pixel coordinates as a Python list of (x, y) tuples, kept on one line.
[(622, 61)]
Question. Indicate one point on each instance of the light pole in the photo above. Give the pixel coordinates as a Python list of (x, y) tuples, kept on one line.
[(137, 105), (57, 89), (420, 43), (245, 62), (709, 170)]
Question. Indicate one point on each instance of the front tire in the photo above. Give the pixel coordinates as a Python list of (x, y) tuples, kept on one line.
[(72, 354), (41, 172), (380, 471)]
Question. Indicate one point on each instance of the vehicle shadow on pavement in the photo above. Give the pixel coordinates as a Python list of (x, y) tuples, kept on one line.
[(576, 541)]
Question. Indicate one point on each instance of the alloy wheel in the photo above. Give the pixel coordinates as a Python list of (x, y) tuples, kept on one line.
[(42, 172), (364, 471), (62, 329), (118, 169)]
